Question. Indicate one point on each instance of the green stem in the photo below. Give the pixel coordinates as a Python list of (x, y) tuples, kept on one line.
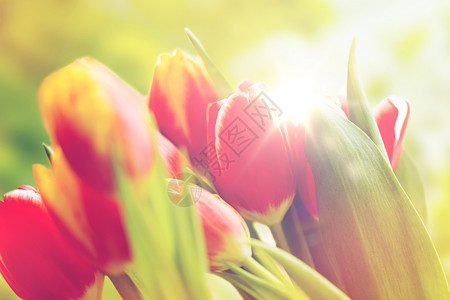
[(300, 248), (256, 268), (125, 287), (280, 238)]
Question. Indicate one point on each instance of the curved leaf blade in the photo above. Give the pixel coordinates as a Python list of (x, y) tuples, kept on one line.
[(312, 283), (409, 177), (223, 88), (358, 106), (372, 234)]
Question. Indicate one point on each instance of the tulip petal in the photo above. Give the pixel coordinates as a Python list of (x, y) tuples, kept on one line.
[(392, 116), (35, 261), (91, 220), (371, 232), (74, 97)]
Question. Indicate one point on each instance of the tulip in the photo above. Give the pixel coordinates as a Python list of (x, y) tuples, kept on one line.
[(392, 115), (80, 190), (248, 157), (179, 95), (36, 261), (226, 234), (96, 119), (91, 221)]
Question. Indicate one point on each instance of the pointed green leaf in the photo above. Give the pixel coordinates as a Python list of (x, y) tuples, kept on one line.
[(358, 106), (295, 236), (48, 152), (223, 88), (409, 177), (312, 283), (371, 232)]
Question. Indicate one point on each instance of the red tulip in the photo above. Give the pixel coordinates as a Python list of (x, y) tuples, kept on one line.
[(226, 233), (392, 115), (179, 95), (248, 157), (36, 261)]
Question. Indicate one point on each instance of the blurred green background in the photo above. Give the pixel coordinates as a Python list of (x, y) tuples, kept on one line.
[(403, 49)]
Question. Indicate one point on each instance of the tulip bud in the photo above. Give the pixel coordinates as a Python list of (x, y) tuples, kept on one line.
[(93, 116), (392, 116), (226, 234), (179, 95), (36, 261), (248, 157)]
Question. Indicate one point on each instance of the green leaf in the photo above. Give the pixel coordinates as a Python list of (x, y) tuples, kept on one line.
[(373, 236), (358, 106), (48, 152), (223, 88), (312, 283), (258, 283), (293, 230), (272, 266), (409, 177), (169, 259)]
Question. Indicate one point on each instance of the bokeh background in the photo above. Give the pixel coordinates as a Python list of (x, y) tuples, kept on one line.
[(403, 49)]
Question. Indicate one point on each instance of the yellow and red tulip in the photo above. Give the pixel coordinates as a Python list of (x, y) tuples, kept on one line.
[(93, 115), (97, 123), (226, 234), (247, 155), (91, 220), (36, 261), (179, 95)]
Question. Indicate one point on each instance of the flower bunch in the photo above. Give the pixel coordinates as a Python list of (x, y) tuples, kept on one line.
[(195, 178)]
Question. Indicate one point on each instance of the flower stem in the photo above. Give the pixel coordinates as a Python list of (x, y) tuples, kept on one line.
[(125, 287), (256, 268), (280, 238)]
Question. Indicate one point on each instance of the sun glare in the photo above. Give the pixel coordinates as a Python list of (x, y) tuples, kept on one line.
[(295, 99)]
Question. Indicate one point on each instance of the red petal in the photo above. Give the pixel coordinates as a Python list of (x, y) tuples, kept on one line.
[(36, 262), (392, 116)]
